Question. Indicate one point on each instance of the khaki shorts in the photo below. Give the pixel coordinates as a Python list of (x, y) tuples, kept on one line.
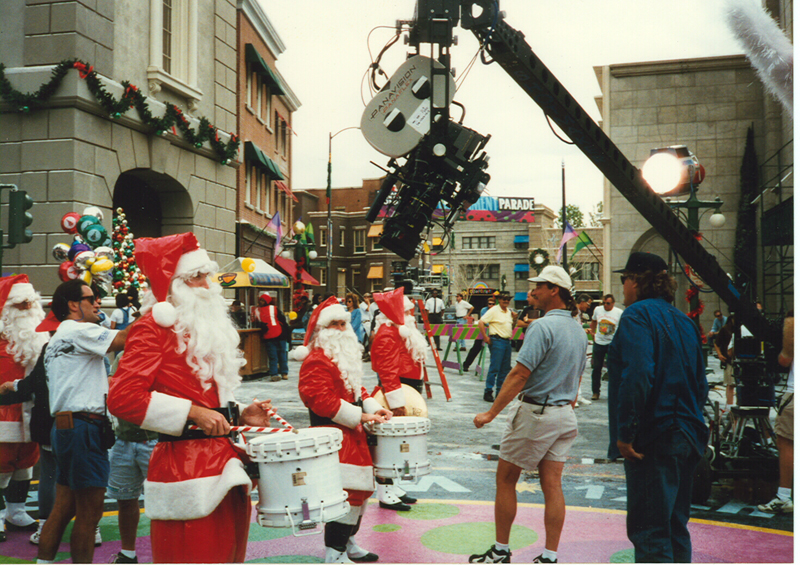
[(532, 435), (784, 423), (727, 378)]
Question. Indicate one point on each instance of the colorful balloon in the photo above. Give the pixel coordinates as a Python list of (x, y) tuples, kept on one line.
[(69, 222), (60, 251), (96, 235), (93, 211), (85, 223), (77, 248), (66, 271), (248, 265)]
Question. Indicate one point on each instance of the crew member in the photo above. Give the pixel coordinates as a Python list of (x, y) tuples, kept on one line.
[(181, 366), (330, 387)]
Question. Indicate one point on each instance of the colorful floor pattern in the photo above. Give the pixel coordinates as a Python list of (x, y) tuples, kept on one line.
[(436, 531)]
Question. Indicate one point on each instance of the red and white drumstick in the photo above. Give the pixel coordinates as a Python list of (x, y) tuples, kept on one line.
[(253, 429), (283, 422)]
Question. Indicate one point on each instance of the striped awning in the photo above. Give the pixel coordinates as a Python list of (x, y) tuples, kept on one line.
[(520, 296), (258, 158), (282, 185), (522, 268), (521, 239), (375, 272), (252, 55)]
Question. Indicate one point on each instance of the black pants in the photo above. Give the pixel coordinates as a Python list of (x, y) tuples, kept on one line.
[(436, 319), (473, 353)]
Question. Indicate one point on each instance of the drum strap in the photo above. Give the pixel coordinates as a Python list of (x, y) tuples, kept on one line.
[(317, 420)]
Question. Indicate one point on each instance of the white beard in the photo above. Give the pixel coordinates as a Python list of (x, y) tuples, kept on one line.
[(24, 342), (208, 337), (343, 349), (416, 343)]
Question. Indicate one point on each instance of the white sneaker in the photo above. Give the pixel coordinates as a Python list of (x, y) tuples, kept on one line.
[(777, 506), (334, 556), (98, 539), (35, 536), (584, 401)]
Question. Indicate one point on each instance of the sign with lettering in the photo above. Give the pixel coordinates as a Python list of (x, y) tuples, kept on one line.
[(515, 204)]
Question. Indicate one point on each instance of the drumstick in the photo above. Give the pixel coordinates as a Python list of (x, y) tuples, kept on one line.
[(283, 422), (253, 429)]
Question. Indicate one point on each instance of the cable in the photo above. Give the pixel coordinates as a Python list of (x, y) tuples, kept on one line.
[(546, 117)]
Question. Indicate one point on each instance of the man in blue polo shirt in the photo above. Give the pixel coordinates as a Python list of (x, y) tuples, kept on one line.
[(541, 425)]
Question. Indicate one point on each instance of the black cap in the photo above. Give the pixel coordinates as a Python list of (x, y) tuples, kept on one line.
[(639, 262)]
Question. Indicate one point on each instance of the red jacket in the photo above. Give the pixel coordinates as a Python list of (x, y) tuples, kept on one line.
[(15, 418), (323, 392), (392, 360), (154, 388)]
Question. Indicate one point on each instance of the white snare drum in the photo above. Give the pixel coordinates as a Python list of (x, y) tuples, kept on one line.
[(399, 447), (300, 480)]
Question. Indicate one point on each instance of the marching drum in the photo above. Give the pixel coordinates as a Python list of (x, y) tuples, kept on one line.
[(300, 480), (399, 447)]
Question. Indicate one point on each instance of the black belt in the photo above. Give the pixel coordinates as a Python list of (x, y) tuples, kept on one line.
[(495, 336), (89, 417), (317, 420), (529, 400)]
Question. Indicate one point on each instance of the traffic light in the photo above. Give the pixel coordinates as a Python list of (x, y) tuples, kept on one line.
[(19, 218)]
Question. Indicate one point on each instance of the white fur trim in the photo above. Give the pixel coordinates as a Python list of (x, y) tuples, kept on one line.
[(2, 326), (25, 474), (334, 312), (164, 314), (371, 405), (352, 515), (166, 414), (21, 292), (195, 498), (404, 331), (5, 478), (191, 261), (356, 477), (348, 415), (299, 353), (13, 432), (396, 398), (407, 304)]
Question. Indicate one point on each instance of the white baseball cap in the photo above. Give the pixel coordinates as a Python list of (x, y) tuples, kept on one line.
[(554, 275)]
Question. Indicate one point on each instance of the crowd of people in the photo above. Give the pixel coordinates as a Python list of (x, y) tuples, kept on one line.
[(176, 365)]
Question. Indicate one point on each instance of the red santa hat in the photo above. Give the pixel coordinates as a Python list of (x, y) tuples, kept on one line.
[(13, 289), (49, 324), (266, 297), (393, 305), (328, 311), (161, 259)]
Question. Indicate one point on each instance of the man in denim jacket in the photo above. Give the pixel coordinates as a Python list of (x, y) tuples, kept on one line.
[(657, 388)]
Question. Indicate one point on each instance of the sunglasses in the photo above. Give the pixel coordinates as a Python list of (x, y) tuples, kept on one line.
[(623, 278), (89, 298)]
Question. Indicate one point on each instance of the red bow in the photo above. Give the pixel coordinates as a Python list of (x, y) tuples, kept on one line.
[(83, 70)]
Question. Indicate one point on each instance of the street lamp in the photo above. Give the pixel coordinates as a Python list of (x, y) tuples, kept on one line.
[(329, 236)]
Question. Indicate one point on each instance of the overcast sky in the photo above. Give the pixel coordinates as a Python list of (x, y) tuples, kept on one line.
[(327, 55)]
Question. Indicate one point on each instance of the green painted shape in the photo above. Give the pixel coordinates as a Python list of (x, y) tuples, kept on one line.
[(386, 528), (259, 533), (624, 556), (288, 559), (476, 537), (431, 511), (4, 559)]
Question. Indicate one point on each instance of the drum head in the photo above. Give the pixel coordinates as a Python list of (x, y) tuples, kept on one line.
[(415, 404)]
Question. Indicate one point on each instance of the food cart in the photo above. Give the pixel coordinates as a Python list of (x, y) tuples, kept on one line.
[(250, 277)]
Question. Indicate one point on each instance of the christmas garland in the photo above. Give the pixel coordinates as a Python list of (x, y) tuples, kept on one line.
[(173, 119), (539, 253)]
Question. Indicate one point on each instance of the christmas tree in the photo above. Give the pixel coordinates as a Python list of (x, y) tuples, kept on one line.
[(126, 273)]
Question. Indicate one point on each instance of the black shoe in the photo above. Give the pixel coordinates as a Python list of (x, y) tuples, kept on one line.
[(368, 558), (32, 527), (2, 536), (541, 559), (399, 506), (493, 555), (120, 558), (408, 499), (487, 396)]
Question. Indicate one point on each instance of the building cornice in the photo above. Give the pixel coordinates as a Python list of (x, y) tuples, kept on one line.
[(261, 23), (675, 66)]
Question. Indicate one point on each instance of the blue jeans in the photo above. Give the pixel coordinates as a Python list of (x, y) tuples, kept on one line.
[(659, 498), (499, 362), (278, 362), (462, 343)]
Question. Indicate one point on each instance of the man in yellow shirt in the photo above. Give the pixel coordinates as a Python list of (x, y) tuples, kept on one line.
[(496, 327)]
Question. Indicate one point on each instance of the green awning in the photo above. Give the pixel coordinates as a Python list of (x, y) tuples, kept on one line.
[(257, 157), (251, 55)]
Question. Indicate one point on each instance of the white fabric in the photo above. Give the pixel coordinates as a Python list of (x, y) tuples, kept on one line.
[(606, 324), (76, 374), (118, 315), (462, 308), (434, 305), (166, 414)]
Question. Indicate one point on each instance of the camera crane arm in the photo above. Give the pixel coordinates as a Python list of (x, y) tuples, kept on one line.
[(508, 48)]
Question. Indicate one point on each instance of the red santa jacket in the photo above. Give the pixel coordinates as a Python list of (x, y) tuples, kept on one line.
[(323, 392), (392, 360), (154, 388), (15, 419)]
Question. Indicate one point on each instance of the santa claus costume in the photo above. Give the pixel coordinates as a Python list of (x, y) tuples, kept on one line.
[(330, 387), (398, 357), (197, 490), (20, 346)]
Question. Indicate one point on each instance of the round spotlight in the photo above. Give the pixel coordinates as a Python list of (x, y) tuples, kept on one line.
[(662, 171), (717, 220), (312, 254)]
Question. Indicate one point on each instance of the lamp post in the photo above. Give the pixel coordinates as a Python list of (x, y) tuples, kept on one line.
[(329, 235)]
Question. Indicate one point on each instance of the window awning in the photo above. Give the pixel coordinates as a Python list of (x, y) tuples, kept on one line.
[(521, 296), (437, 269), (282, 185), (289, 267), (521, 239), (375, 272), (253, 154), (375, 230), (522, 268), (436, 242), (252, 55)]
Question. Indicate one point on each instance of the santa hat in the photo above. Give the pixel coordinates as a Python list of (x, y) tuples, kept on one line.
[(266, 298), (13, 289), (328, 311), (393, 305), (161, 259)]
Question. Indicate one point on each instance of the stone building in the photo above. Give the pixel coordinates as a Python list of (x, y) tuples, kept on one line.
[(708, 105)]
